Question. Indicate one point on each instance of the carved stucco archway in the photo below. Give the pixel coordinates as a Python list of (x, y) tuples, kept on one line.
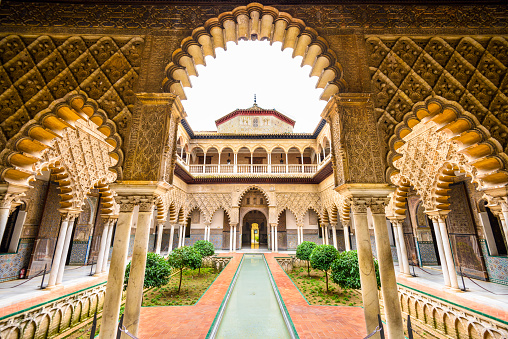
[(436, 140), (76, 141), (253, 22)]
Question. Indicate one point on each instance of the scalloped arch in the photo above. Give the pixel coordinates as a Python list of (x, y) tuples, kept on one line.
[(23, 152), (474, 152), (253, 187), (253, 22)]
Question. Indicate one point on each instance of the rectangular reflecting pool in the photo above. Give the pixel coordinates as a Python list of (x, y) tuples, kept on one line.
[(252, 310)]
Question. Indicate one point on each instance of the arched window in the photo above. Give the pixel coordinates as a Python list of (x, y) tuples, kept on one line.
[(255, 122)]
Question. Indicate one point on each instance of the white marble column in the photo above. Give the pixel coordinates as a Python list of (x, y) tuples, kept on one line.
[(234, 238), (171, 238), (183, 234), (102, 246), (134, 293), (160, 230), (392, 310), (403, 250), (5, 207), (504, 209), (114, 286), (397, 244), (334, 235), (448, 252), (68, 240), (298, 236), (366, 262), (347, 243), (67, 218), (108, 246), (276, 240), (180, 236), (440, 249), (231, 237)]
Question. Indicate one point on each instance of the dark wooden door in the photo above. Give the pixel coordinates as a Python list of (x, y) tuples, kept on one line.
[(462, 233)]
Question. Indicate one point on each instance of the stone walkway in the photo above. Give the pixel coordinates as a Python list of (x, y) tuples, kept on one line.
[(195, 321), (431, 281), (13, 299), (312, 321)]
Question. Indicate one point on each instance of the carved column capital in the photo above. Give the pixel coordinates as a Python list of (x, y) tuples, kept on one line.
[(69, 216), (7, 199), (396, 222), (359, 205), (333, 224), (127, 203), (438, 216), (378, 205)]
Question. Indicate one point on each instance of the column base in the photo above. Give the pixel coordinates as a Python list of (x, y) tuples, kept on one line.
[(100, 274), (454, 289), (54, 287)]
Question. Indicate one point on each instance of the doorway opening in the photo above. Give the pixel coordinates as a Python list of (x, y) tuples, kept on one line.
[(254, 230)]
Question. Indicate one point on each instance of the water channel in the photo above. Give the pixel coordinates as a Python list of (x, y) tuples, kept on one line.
[(252, 310)]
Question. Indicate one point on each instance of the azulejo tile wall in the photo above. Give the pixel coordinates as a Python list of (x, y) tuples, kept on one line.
[(497, 267), (427, 253), (12, 263), (78, 252)]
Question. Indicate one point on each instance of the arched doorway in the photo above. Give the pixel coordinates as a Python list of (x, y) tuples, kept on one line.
[(254, 210), (254, 224)]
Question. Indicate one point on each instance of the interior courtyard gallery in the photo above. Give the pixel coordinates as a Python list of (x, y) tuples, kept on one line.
[(407, 165)]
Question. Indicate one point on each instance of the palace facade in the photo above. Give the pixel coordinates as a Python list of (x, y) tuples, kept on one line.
[(408, 163)]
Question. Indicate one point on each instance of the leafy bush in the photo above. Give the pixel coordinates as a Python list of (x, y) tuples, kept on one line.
[(346, 271), (157, 271), (321, 257), (205, 248), (184, 257), (303, 252)]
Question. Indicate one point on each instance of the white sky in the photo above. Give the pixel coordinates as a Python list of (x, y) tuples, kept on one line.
[(231, 79)]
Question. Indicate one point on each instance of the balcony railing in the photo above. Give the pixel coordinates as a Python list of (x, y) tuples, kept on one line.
[(256, 169)]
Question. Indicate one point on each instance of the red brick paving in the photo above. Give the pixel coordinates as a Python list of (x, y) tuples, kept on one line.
[(456, 298), (195, 321), (313, 321), (188, 321), (53, 294)]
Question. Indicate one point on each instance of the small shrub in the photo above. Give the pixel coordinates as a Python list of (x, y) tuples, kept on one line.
[(346, 271), (184, 257), (157, 271), (205, 248), (322, 257), (303, 252)]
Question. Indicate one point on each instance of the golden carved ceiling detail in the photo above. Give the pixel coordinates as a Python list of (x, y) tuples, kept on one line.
[(35, 71), (466, 70), (328, 16)]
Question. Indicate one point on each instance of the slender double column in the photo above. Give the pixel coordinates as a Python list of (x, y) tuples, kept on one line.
[(504, 209), (392, 311), (107, 223), (401, 246), (347, 242), (160, 230), (334, 234), (440, 249), (233, 231), (5, 208), (452, 274), (138, 265), (108, 246), (116, 274), (207, 231), (366, 264), (62, 248), (171, 238), (275, 241)]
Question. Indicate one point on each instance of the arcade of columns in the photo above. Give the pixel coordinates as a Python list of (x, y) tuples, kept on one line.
[(436, 140)]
